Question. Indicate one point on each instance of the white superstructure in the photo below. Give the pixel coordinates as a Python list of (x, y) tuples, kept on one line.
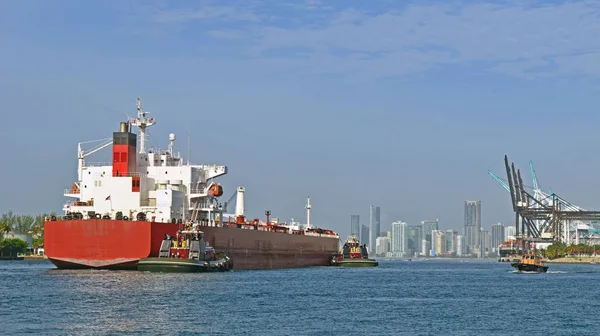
[(160, 186)]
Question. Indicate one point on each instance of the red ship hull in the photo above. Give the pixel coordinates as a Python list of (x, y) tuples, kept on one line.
[(118, 244)]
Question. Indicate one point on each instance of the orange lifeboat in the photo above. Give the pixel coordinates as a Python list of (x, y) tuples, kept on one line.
[(215, 190), (75, 189)]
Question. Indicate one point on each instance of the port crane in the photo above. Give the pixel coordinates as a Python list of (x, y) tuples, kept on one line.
[(537, 213)]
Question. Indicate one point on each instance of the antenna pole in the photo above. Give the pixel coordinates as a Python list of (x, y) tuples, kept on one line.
[(142, 126), (142, 122), (308, 212)]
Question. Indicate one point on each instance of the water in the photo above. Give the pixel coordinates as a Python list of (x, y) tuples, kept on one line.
[(422, 297)]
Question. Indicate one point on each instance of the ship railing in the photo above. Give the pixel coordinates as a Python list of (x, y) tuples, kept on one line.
[(97, 164), (129, 174), (196, 190), (209, 166), (204, 205), (71, 191), (77, 204)]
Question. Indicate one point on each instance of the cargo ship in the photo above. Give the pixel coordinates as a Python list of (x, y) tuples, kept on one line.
[(120, 212)]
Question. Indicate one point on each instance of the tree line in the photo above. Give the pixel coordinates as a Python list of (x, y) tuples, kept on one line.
[(559, 250), (11, 247), (24, 224)]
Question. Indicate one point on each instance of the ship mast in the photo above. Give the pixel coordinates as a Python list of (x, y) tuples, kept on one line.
[(142, 122), (308, 212)]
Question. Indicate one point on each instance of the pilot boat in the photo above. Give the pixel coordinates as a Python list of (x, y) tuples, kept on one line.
[(530, 263), (187, 252), (353, 255)]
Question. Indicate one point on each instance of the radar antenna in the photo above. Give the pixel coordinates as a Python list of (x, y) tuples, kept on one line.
[(142, 122)]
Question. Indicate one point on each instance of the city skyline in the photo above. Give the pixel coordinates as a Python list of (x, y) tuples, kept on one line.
[(492, 234), (427, 239), (385, 226)]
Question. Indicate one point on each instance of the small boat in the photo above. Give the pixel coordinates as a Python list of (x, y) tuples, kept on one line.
[(353, 255), (530, 263), (187, 252)]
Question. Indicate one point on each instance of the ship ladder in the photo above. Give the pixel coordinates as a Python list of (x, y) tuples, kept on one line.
[(195, 212), (165, 248), (195, 249)]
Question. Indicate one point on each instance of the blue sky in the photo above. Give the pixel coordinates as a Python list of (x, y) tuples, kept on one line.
[(350, 102)]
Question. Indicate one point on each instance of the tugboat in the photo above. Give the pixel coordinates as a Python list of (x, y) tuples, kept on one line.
[(353, 255), (530, 263), (187, 252)]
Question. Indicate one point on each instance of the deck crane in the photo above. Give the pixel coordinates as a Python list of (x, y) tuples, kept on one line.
[(81, 154), (231, 200), (195, 209)]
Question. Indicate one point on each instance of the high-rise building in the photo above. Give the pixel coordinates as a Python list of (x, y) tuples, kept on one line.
[(509, 231), (473, 226), (497, 236), (400, 238), (425, 247), (374, 227), (438, 247), (364, 235), (427, 227), (460, 245), (383, 246), (485, 243), (355, 226), (414, 238), (451, 241)]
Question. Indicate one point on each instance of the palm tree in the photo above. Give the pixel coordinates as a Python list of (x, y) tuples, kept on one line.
[(4, 227), (7, 220)]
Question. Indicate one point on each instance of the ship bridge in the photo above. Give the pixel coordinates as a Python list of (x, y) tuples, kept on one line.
[(157, 183)]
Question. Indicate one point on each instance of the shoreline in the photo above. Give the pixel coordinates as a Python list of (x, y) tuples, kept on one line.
[(29, 257), (574, 260)]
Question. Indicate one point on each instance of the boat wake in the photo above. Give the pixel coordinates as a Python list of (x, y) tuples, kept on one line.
[(526, 272)]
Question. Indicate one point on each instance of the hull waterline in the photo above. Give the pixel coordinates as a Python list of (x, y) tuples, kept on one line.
[(521, 268), (167, 265), (356, 263)]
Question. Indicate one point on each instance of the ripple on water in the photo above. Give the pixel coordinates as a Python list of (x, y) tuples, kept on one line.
[(433, 297)]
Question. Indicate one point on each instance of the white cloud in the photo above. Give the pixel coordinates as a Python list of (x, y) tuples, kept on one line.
[(514, 38), (226, 34), (204, 13)]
